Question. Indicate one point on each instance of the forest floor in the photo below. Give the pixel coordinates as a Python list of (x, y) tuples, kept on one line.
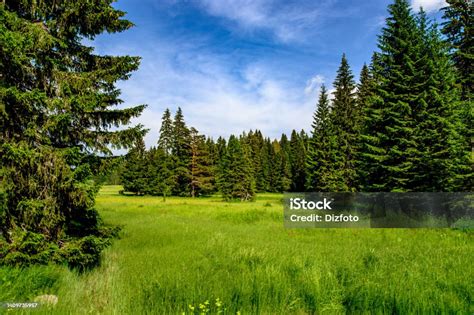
[(203, 255)]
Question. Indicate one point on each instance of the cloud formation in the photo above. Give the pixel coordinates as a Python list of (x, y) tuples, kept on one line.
[(314, 84), (428, 5), (216, 97), (236, 65), (288, 22)]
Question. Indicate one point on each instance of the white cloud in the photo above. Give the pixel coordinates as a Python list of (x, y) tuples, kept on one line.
[(286, 22), (218, 95), (428, 5), (216, 99), (313, 84)]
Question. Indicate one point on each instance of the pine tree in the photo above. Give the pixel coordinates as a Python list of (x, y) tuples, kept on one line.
[(459, 29), (388, 143), (202, 177), (236, 180), (221, 146), (321, 174), (371, 153), (443, 162), (269, 165), (345, 118), (298, 162), (410, 138), (135, 175), (56, 110), (285, 166), (275, 173), (261, 168), (365, 89), (255, 155), (222, 167), (160, 173), (212, 149), (365, 95), (165, 141), (181, 152)]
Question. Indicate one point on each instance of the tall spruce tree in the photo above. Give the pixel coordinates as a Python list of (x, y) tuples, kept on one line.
[(165, 141), (136, 175), (410, 137), (222, 168), (365, 95), (262, 162), (202, 177), (56, 109), (297, 162), (371, 153), (236, 180), (284, 164), (321, 174), (459, 30), (181, 152), (345, 118), (365, 90), (443, 162), (161, 178), (388, 142)]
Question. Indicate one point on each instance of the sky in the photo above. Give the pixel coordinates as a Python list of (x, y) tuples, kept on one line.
[(235, 65)]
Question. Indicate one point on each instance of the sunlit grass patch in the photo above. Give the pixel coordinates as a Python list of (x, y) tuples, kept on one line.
[(184, 251)]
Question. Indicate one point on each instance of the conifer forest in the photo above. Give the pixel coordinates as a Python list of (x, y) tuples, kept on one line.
[(98, 221)]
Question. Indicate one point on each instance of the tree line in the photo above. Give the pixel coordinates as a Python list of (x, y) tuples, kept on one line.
[(186, 163), (406, 125)]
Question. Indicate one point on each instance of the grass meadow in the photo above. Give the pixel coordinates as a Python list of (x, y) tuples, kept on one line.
[(195, 256)]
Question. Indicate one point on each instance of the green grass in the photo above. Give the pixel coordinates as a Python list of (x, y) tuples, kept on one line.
[(187, 251)]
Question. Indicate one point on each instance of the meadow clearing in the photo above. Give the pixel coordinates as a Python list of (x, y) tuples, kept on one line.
[(203, 255)]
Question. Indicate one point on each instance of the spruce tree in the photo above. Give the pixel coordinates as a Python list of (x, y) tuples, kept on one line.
[(236, 180), (261, 168), (255, 156), (321, 174), (135, 177), (365, 90), (269, 164), (411, 138), (459, 30), (275, 160), (370, 151), (443, 162), (202, 177), (285, 166), (57, 99), (221, 145), (222, 168), (212, 149), (181, 152), (165, 141), (298, 162), (345, 118), (388, 143), (365, 95), (160, 173)]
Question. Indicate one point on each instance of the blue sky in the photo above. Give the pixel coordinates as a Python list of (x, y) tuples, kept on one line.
[(235, 65)]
